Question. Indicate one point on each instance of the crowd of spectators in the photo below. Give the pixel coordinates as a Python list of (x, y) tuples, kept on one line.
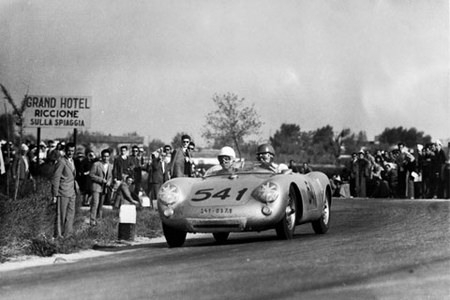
[(420, 172), (147, 170)]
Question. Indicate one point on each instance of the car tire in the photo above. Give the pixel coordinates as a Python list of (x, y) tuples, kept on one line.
[(221, 237), (321, 225), (174, 237), (286, 227)]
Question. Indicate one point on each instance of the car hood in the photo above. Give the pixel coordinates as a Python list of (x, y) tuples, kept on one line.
[(225, 190)]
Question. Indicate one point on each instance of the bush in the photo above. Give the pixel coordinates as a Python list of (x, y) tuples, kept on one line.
[(27, 226)]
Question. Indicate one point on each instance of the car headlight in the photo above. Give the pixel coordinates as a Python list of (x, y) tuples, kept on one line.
[(267, 192), (169, 194)]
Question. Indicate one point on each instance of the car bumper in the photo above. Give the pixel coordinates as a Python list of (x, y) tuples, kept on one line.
[(224, 219)]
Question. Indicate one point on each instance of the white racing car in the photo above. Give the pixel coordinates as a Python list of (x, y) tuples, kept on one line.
[(249, 199)]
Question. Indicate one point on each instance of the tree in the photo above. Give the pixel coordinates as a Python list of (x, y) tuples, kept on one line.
[(7, 127), (18, 111), (155, 144), (410, 137), (231, 122), (287, 140)]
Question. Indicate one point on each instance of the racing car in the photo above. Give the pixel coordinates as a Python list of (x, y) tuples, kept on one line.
[(248, 199)]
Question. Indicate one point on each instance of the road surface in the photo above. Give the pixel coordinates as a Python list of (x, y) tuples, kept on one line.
[(375, 249)]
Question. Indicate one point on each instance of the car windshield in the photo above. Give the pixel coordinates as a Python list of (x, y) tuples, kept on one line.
[(239, 167)]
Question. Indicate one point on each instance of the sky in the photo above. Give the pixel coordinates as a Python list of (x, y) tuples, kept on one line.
[(153, 66)]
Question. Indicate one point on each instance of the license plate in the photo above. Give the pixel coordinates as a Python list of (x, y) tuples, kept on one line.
[(221, 210)]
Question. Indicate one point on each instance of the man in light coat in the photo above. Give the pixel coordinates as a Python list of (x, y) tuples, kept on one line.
[(64, 189), (101, 178)]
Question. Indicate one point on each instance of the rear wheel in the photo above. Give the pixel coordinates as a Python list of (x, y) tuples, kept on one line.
[(174, 237), (286, 227), (321, 225), (221, 237)]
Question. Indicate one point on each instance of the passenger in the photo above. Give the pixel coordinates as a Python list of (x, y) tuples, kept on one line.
[(226, 159), (265, 156)]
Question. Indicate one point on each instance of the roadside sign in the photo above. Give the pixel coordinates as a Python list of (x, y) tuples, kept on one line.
[(57, 111)]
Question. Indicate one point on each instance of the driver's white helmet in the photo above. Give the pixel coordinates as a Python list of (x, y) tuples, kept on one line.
[(227, 151)]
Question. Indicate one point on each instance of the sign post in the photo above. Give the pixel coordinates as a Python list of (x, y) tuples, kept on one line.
[(69, 112)]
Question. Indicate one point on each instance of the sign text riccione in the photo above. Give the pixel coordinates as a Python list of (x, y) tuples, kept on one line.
[(57, 111)]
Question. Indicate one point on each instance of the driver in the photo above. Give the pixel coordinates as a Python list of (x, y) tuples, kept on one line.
[(226, 159), (265, 156)]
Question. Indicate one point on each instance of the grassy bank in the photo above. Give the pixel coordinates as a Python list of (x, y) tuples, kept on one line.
[(27, 225)]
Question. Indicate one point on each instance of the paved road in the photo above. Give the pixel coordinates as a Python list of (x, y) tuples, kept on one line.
[(375, 249)]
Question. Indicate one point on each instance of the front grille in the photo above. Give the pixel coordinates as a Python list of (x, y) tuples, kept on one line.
[(207, 225), (217, 226)]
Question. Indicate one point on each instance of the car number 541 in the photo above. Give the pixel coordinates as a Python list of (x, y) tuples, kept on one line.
[(204, 194)]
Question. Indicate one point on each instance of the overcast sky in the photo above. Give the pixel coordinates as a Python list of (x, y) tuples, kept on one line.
[(153, 66)]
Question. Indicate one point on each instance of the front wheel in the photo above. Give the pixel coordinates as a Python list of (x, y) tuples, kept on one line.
[(286, 227), (221, 237), (321, 225), (174, 237)]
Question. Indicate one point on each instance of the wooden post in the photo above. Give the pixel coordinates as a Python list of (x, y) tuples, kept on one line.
[(75, 137), (38, 134), (8, 171)]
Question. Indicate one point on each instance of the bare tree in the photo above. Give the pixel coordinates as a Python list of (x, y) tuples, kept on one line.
[(18, 111), (231, 121)]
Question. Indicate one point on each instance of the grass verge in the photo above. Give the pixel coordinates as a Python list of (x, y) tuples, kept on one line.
[(27, 226)]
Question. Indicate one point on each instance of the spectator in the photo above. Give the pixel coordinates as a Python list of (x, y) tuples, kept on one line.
[(411, 174), (168, 151), (79, 160), (380, 187), (293, 166), (305, 169), (64, 189), (42, 153), (418, 182), (2, 160), (55, 154), (124, 194), (136, 167), (180, 166), (353, 174), (141, 156), (50, 147), (101, 177), (21, 168), (122, 166), (362, 173), (86, 166), (426, 166), (158, 172), (446, 177), (191, 164), (439, 170), (336, 184), (401, 162), (391, 178)]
